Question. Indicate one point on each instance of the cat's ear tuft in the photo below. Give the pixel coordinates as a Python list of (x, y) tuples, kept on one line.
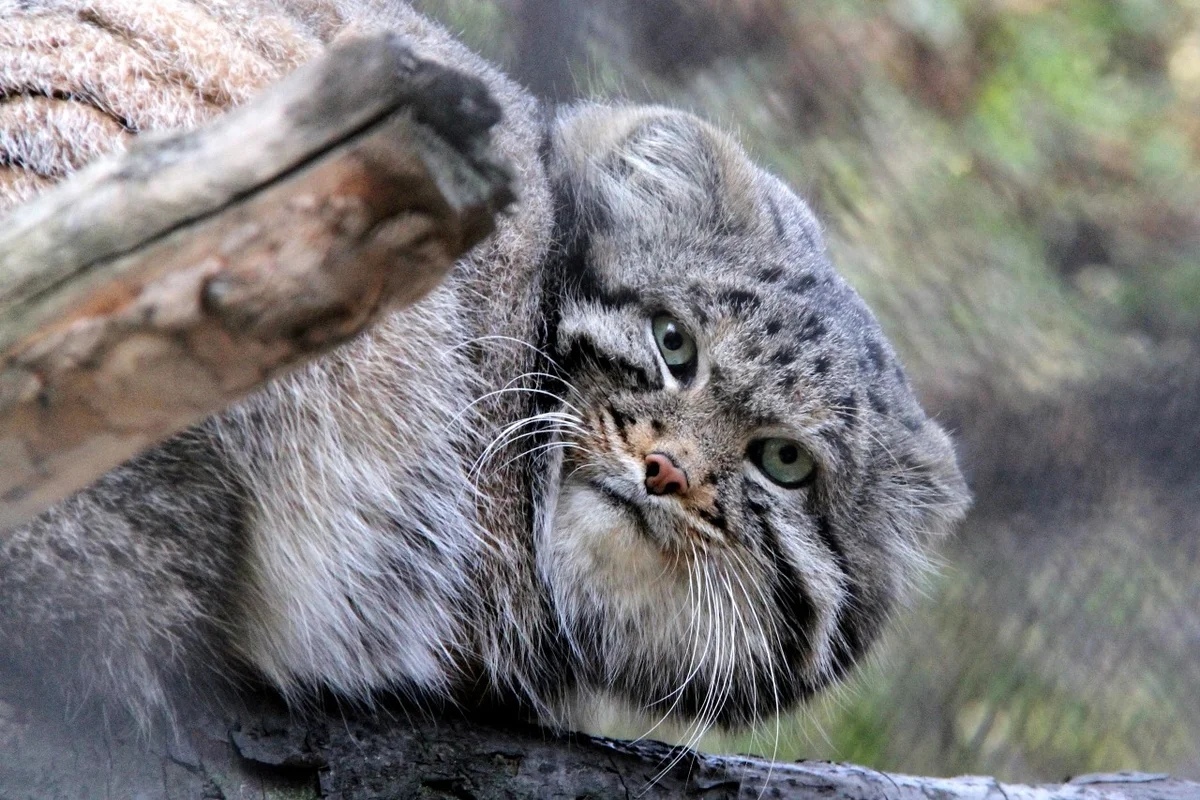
[(648, 166)]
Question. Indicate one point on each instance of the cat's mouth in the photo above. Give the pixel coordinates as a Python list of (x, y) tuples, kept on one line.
[(653, 523)]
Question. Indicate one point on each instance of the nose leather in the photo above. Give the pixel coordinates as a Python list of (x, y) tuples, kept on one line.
[(664, 476)]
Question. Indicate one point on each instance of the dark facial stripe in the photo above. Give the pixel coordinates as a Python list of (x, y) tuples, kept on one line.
[(849, 637), (620, 423), (620, 417), (825, 534), (851, 634), (583, 354), (740, 301), (620, 502), (790, 592), (588, 285), (714, 517)]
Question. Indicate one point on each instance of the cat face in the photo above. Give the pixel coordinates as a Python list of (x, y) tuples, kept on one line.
[(747, 483)]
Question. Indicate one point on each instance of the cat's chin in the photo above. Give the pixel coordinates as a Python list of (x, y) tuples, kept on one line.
[(600, 534), (645, 631)]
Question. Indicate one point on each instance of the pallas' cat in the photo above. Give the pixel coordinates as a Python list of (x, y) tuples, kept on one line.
[(644, 442)]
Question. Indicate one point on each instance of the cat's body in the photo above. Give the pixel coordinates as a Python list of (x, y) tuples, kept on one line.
[(643, 442)]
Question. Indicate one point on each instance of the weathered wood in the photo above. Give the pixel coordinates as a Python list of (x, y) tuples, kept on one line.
[(393, 754), (158, 287), (364, 759)]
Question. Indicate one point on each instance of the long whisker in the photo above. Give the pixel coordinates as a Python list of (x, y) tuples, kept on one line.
[(509, 389), (695, 657), (752, 605), (539, 448), (703, 719), (512, 339), (554, 417), (697, 652), (480, 462)]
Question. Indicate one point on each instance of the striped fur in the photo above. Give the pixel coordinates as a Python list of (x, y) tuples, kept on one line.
[(740, 598), (454, 507)]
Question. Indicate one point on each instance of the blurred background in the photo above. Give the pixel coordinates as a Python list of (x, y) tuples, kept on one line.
[(1013, 185)]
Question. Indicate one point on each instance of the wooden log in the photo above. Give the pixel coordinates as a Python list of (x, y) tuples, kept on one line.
[(393, 753), (157, 287)]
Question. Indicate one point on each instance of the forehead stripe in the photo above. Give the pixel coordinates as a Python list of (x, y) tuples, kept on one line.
[(584, 351)]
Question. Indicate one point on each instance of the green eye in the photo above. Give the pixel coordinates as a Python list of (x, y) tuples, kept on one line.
[(677, 346), (783, 461)]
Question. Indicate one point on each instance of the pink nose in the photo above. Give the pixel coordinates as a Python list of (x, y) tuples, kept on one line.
[(663, 476)]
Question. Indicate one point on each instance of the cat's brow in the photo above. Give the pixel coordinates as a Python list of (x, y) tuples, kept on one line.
[(584, 354)]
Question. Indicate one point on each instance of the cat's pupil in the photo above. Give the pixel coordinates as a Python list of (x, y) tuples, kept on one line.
[(672, 339), (788, 454)]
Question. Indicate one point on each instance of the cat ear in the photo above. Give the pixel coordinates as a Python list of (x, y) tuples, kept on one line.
[(638, 167)]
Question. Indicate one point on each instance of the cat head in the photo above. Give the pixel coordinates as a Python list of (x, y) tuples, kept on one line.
[(748, 484)]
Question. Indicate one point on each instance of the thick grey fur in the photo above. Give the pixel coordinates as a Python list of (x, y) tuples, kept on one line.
[(452, 508)]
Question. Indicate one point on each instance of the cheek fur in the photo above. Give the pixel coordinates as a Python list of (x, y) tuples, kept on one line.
[(704, 634)]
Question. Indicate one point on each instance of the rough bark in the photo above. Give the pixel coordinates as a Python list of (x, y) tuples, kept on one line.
[(390, 754), (157, 287)]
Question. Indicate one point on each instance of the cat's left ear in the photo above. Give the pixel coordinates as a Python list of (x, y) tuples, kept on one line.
[(648, 168)]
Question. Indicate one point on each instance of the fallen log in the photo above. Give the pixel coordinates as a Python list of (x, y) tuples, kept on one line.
[(157, 287), (392, 753)]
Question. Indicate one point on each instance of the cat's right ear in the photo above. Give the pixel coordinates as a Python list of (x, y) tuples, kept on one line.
[(647, 169)]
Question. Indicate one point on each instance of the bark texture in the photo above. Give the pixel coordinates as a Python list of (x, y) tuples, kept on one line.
[(159, 286), (265, 753)]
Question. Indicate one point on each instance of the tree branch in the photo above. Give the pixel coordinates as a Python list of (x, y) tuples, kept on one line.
[(361, 758), (388, 753), (158, 287)]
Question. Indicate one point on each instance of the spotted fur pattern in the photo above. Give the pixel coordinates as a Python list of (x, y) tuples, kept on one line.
[(455, 505), (738, 598)]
